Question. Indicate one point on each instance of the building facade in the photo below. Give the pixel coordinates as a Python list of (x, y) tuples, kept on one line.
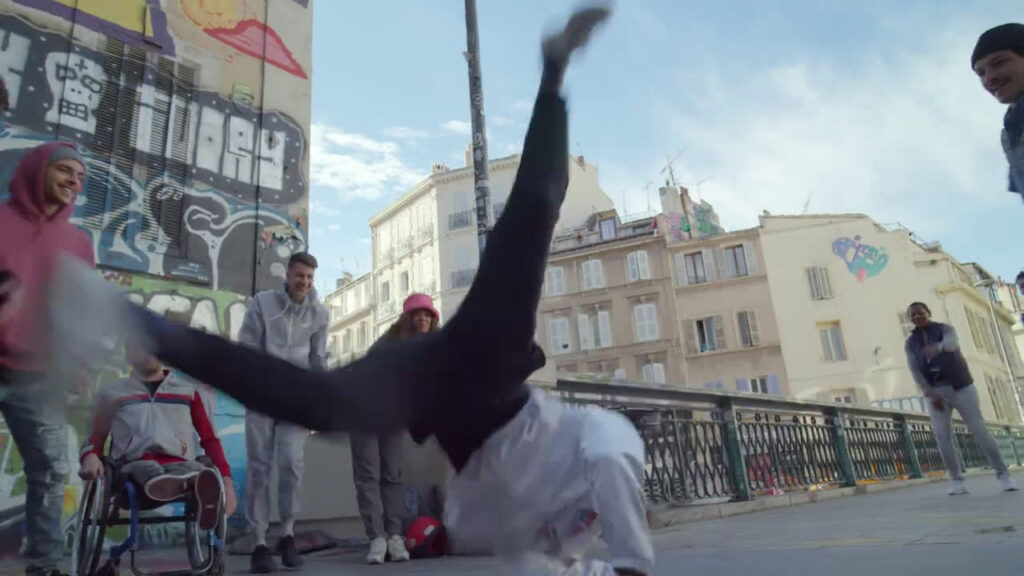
[(351, 328), (194, 122)]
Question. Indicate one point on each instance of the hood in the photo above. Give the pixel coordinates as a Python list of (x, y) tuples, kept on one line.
[(27, 194)]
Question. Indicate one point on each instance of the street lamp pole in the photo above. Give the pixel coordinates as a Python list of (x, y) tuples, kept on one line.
[(481, 177), (1002, 346)]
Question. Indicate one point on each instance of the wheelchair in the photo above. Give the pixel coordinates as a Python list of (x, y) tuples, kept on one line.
[(103, 501)]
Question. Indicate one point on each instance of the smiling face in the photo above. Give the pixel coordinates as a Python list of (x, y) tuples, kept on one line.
[(300, 280), (422, 321), (919, 315), (62, 182), (1002, 74)]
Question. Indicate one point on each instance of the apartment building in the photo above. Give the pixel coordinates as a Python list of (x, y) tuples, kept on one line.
[(607, 307), (426, 240), (350, 331)]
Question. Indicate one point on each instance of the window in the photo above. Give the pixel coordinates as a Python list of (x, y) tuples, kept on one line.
[(604, 369), (361, 337), (735, 261), (593, 275), (905, 324), (653, 373), (385, 292), (821, 285), (695, 273), (346, 342), (995, 397), (595, 330), (832, 346), (608, 229), (842, 398), (645, 317), (556, 281), (558, 336), (760, 385), (717, 385), (707, 335), (384, 252), (747, 323), (982, 332), (403, 282), (427, 275), (637, 267)]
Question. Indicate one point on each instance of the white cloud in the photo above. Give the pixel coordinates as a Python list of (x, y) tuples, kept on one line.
[(405, 133), (896, 135), (356, 166), (333, 227), (457, 127), (364, 240), (522, 105)]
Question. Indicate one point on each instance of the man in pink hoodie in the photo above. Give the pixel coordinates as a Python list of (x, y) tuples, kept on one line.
[(34, 231)]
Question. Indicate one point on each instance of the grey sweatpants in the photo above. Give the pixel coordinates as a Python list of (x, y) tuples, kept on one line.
[(377, 470), (966, 403), (265, 438)]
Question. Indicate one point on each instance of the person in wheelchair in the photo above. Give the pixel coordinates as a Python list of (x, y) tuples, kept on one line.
[(151, 418)]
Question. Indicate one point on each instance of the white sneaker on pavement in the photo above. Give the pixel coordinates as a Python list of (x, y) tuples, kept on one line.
[(396, 549), (378, 550), (958, 488), (1006, 480)]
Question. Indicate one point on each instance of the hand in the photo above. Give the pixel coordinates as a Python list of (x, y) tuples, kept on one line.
[(92, 468), (930, 351), (11, 296), (230, 499)]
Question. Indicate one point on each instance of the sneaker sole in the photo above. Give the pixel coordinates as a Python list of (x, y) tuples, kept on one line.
[(207, 491), (166, 488)]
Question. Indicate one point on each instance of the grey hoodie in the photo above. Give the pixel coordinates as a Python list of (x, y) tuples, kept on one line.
[(277, 326)]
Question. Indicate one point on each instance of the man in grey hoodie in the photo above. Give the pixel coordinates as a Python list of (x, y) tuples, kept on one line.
[(290, 324)]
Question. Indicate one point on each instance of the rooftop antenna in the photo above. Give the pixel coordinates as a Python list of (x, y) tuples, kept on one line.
[(807, 203), (669, 168), (696, 187)]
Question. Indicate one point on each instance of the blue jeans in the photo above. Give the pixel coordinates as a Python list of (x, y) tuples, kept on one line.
[(33, 411)]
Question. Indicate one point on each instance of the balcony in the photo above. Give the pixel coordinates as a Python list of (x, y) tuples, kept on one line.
[(463, 219), (425, 233), (463, 278), (389, 308)]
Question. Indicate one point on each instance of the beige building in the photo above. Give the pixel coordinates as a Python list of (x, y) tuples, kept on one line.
[(350, 331)]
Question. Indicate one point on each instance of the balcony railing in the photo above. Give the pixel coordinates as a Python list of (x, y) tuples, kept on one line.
[(708, 445), (462, 278), (463, 219)]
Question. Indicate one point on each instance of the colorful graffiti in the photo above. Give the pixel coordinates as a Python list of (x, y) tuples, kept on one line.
[(862, 260), (224, 20), (239, 169), (138, 22)]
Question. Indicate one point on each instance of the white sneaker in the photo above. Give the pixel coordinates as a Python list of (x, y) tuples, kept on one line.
[(958, 488), (378, 550), (396, 549), (1007, 482)]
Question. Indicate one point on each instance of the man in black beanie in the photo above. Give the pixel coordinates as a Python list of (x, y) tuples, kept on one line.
[(998, 60)]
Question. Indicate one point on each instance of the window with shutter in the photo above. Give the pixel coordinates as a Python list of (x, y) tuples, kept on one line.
[(833, 347), (736, 261), (558, 336), (646, 320), (708, 257), (586, 332), (681, 275), (653, 373), (593, 275), (637, 267), (747, 322), (696, 273), (604, 323), (556, 281), (820, 284)]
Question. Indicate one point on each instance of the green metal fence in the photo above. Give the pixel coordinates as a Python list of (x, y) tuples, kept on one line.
[(707, 445)]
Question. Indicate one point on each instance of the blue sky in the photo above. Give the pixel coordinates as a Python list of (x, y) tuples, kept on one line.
[(843, 106)]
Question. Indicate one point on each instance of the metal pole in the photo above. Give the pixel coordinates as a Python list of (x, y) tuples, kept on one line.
[(481, 178), (1006, 356)]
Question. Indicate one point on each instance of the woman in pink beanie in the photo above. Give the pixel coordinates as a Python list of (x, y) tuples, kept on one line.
[(377, 458)]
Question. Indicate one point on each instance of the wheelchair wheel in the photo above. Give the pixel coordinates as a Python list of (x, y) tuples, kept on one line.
[(90, 528)]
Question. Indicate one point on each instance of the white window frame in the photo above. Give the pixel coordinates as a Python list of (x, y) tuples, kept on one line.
[(759, 384), (559, 341), (833, 345), (653, 373), (607, 229), (645, 322), (820, 283), (748, 317), (691, 272), (638, 266), (736, 267), (555, 281), (712, 330), (593, 274)]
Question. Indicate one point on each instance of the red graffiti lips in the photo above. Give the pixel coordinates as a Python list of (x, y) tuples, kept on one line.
[(248, 37)]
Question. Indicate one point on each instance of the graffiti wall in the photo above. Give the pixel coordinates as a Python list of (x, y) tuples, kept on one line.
[(193, 117), (862, 260)]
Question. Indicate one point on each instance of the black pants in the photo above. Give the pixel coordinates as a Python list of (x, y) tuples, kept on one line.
[(459, 383)]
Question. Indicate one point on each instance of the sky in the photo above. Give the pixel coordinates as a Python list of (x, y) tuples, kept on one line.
[(785, 105)]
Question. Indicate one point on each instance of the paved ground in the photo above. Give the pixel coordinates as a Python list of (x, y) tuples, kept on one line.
[(917, 530)]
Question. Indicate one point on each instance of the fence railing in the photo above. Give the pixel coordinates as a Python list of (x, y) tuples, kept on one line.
[(704, 445)]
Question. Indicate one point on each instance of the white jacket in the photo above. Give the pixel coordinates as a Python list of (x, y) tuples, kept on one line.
[(549, 484)]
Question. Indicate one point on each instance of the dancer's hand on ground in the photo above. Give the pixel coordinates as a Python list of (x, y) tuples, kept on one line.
[(230, 498), (11, 296), (92, 468)]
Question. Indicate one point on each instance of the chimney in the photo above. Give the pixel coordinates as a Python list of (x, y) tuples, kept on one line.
[(671, 200), (345, 279), (468, 154), (438, 168)]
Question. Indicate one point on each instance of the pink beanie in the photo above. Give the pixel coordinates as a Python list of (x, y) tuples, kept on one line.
[(419, 302)]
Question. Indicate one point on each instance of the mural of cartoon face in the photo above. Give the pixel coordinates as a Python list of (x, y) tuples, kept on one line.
[(862, 260), (78, 82)]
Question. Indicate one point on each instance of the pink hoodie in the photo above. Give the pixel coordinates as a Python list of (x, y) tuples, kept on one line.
[(29, 244)]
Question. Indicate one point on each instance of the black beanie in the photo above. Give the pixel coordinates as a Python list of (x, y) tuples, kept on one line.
[(1005, 37)]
